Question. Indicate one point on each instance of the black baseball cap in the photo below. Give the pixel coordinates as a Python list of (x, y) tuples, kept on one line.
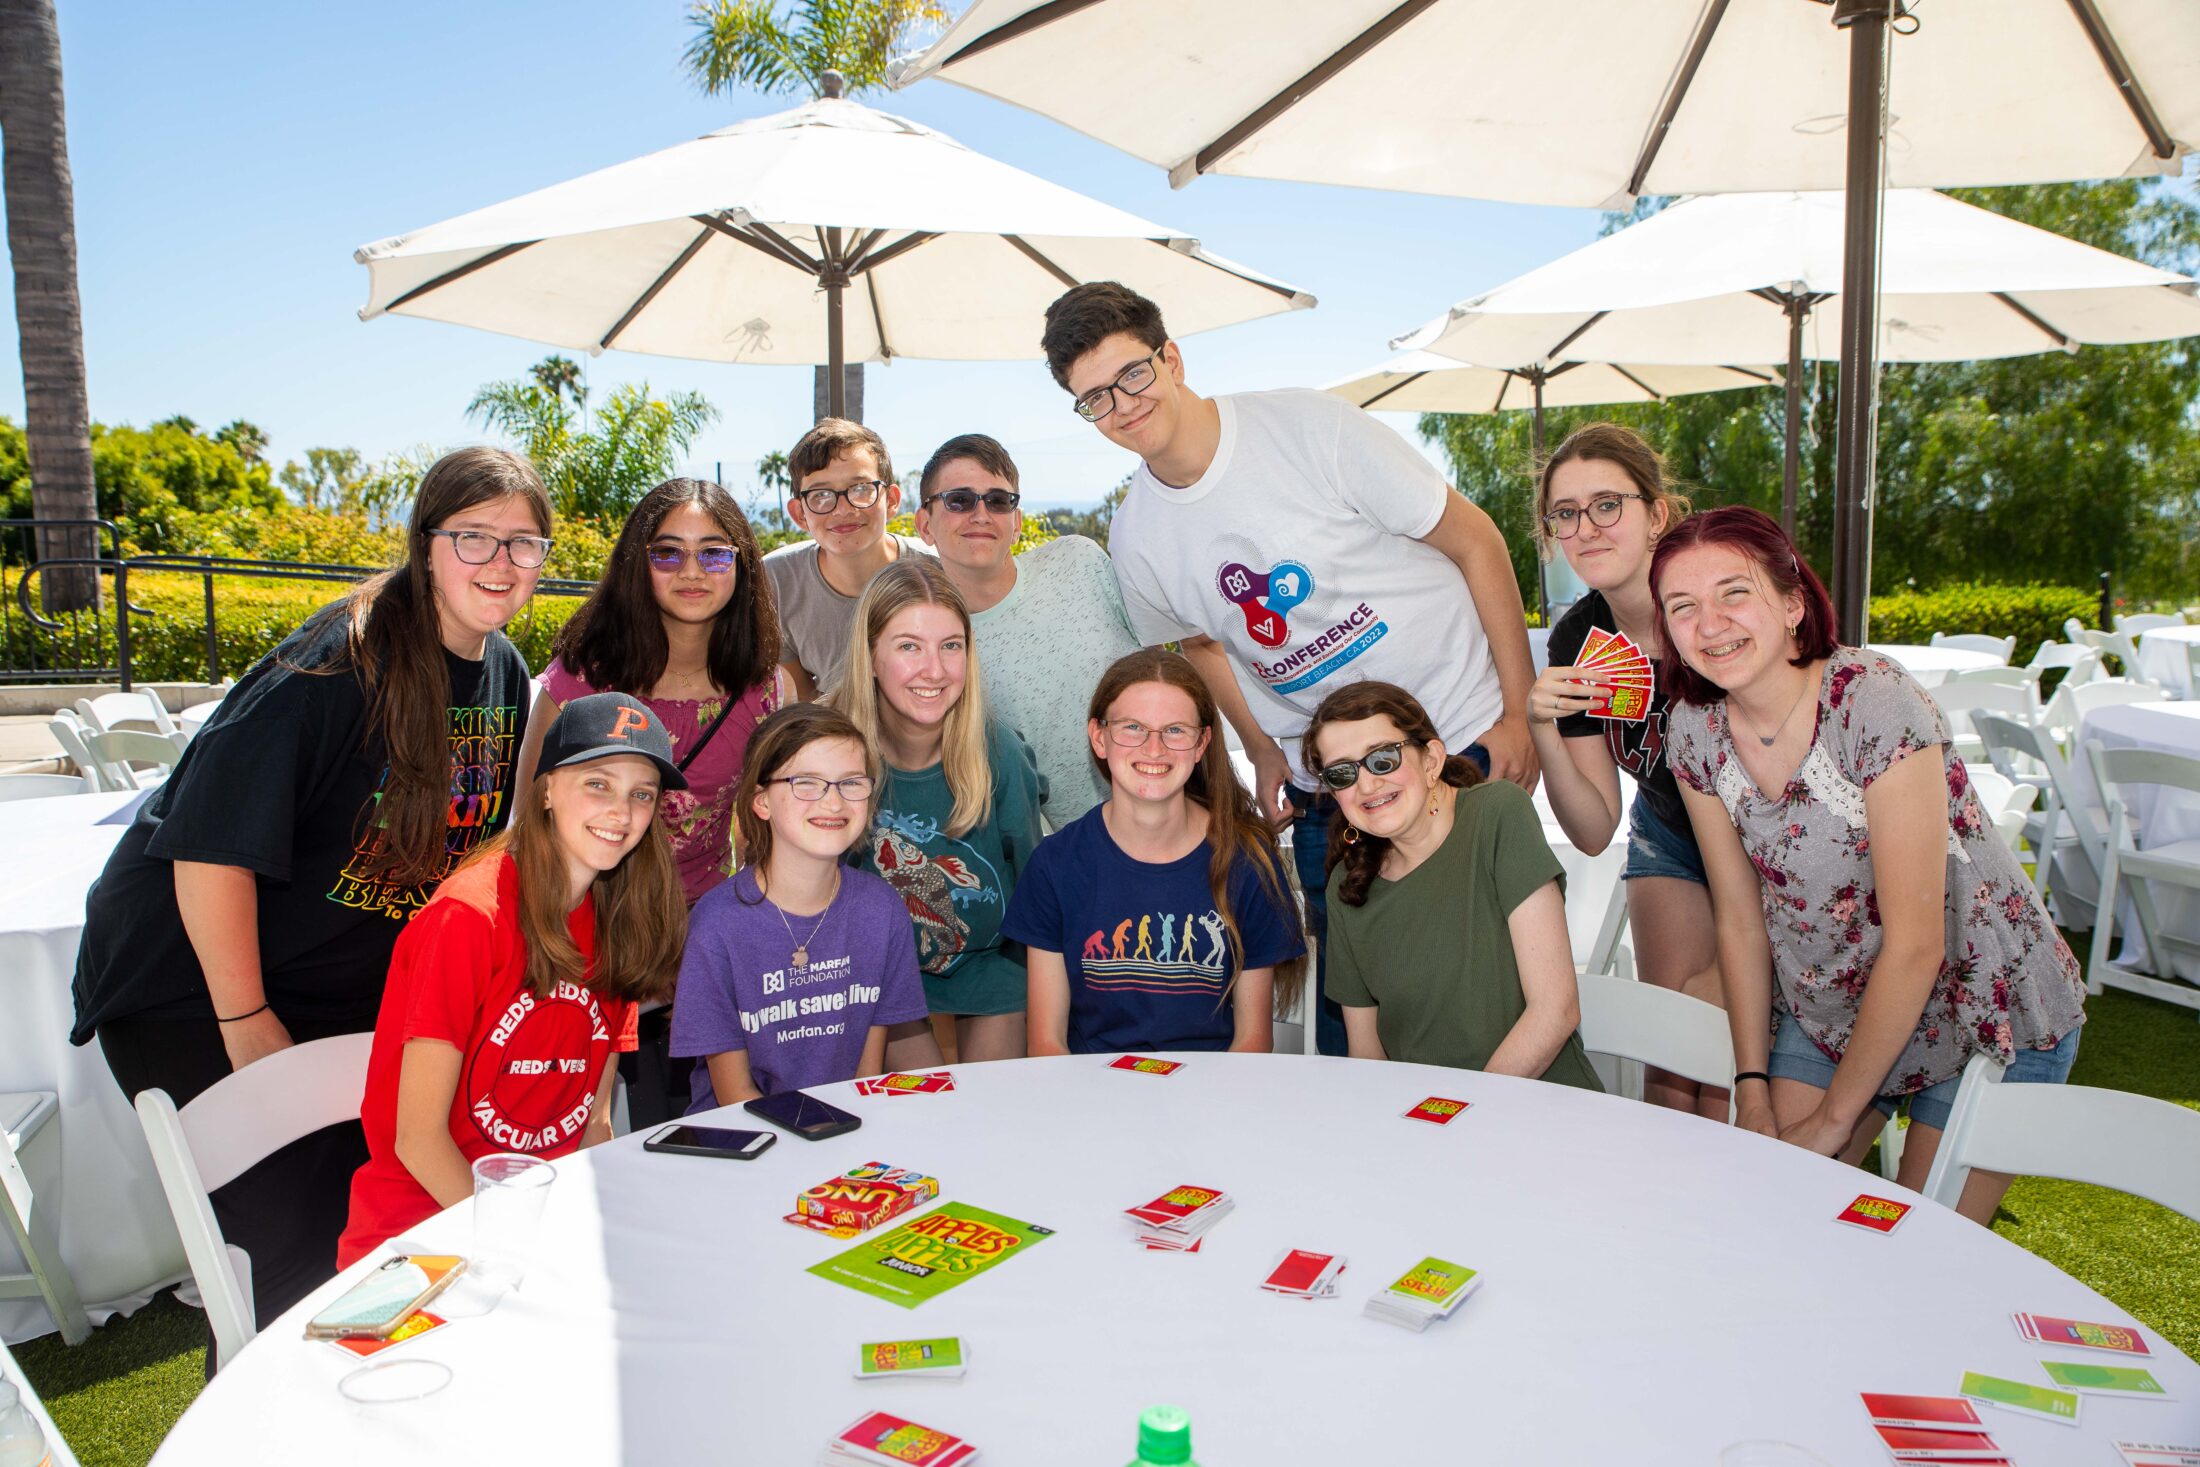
[(603, 724)]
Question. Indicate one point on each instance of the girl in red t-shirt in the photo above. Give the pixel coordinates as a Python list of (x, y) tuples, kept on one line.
[(499, 1021)]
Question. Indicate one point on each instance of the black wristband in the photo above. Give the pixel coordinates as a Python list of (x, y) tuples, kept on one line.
[(240, 1018), (1752, 1075)]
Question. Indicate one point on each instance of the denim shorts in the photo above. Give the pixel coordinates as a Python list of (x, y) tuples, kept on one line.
[(1655, 848), (1794, 1057)]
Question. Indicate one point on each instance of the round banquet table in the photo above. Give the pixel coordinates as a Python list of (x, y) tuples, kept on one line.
[(114, 1229), (2169, 820), (2165, 658), (1657, 1287), (1931, 665)]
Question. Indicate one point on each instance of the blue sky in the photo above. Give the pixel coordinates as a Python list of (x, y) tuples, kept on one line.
[(230, 156)]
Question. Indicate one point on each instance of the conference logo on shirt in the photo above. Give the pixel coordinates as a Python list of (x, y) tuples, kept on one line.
[(1266, 599), (527, 1082)]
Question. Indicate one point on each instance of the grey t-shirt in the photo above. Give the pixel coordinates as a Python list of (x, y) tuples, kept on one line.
[(1042, 651), (815, 619)]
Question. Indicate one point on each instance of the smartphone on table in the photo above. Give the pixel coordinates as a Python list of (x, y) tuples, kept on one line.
[(685, 1140), (805, 1115), (373, 1308)]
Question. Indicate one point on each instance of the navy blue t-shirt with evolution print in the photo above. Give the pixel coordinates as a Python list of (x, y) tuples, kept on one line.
[(1147, 952)]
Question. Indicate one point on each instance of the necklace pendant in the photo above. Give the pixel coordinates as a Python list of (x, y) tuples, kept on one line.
[(802, 957), (1765, 741)]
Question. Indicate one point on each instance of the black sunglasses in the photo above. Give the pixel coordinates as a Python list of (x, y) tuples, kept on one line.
[(963, 501), (1382, 759)]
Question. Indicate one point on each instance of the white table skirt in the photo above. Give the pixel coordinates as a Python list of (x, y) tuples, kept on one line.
[(2165, 658), (114, 1229), (1657, 1287), (2165, 817), (1931, 665)]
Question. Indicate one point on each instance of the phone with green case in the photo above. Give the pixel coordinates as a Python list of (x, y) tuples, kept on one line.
[(378, 1304)]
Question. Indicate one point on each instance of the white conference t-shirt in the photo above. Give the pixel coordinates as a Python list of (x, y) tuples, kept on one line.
[(1298, 551)]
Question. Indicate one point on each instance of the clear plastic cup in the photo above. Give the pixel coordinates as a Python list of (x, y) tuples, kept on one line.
[(393, 1382), (509, 1193)]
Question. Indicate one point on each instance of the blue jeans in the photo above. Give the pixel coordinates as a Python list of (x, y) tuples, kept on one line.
[(1311, 811), (1795, 1057)]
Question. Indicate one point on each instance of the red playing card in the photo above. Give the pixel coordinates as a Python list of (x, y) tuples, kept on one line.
[(1910, 1445), (1299, 1271), (1877, 1213), (1145, 1066), (1598, 640), (1173, 1206), (1625, 705), (1437, 1110), (2050, 1329), (1923, 1413), (882, 1436)]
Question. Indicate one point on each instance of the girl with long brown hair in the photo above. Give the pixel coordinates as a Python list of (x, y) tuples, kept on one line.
[(1447, 933), (1160, 919), (255, 901), (797, 924), (511, 990), (958, 812)]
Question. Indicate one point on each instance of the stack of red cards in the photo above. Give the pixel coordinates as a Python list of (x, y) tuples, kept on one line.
[(2049, 1329), (1623, 676), (1175, 1221), (931, 1082), (882, 1439), (1139, 1064), (1305, 1275), (1933, 1429)]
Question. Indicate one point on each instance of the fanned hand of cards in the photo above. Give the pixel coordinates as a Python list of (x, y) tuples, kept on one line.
[(1624, 681), (1179, 1218)]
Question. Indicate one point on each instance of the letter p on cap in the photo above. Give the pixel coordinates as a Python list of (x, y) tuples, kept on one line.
[(625, 725)]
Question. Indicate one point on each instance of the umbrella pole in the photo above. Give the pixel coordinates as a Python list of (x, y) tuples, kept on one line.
[(1542, 566), (1791, 477), (836, 376), (1867, 24)]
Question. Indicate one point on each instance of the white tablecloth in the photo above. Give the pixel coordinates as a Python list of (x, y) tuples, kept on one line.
[(1657, 1287), (2165, 658), (1931, 665), (114, 1228), (2166, 817)]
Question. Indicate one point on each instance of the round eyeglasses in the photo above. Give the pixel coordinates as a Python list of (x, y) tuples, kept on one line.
[(810, 788), (965, 501), (1133, 379), (715, 559), (1382, 759), (1129, 733), (1604, 512), (478, 547), (862, 494)]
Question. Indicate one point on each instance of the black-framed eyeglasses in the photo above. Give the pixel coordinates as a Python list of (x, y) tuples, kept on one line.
[(1603, 511), (1133, 379), (964, 501), (862, 494), (479, 547), (1382, 759), (1129, 733), (715, 559), (810, 788)]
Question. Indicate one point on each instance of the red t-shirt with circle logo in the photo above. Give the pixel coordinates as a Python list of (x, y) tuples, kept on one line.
[(531, 1065)]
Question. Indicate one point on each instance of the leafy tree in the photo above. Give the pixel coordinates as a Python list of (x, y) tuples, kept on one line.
[(329, 479), (1091, 523), (635, 442), (249, 439), (558, 376)]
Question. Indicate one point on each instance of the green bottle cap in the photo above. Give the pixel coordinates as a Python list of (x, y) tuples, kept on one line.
[(1165, 1435)]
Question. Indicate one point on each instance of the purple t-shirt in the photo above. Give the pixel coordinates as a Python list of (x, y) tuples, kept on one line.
[(739, 988)]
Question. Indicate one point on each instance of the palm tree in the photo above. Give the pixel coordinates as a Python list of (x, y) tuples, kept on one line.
[(822, 47), (559, 376), (49, 315)]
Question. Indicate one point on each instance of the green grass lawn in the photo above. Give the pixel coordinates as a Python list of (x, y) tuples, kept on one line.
[(115, 1396)]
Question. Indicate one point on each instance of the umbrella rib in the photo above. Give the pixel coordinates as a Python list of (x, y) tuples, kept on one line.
[(702, 237), (1574, 335), (893, 251), (1651, 392), (1504, 386), (1022, 25), (1676, 94), (1767, 378), (1270, 286), (795, 261), (1068, 280), (2067, 343), (1393, 387), (2119, 71), (878, 317), (787, 248), (501, 253), (1208, 157)]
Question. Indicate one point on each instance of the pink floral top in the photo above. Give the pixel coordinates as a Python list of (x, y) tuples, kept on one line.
[(2008, 980), (699, 819)]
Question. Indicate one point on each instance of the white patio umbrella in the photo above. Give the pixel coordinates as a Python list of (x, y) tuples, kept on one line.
[(833, 232), (1746, 277), (1595, 102)]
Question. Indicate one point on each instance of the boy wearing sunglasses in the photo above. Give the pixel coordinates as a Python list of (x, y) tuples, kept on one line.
[(844, 493), (1294, 545), (1047, 623)]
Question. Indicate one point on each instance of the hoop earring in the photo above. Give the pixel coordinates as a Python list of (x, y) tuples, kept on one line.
[(1351, 835)]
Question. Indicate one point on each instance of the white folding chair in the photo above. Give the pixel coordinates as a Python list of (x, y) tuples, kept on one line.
[(2074, 630), (2000, 647), (2070, 705), (2076, 1133), (231, 1127), (1656, 1026), (2080, 663), (110, 712), (2175, 864), (2007, 803), (2061, 828), (30, 1127), (69, 732), (41, 786), (118, 754), (57, 1450), (2146, 621), (1958, 701), (2000, 677)]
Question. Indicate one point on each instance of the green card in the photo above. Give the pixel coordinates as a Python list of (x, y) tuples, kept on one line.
[(2015, 1395), (1432, 1282), (910, 1357), (2106, 1380), (929, 1254)]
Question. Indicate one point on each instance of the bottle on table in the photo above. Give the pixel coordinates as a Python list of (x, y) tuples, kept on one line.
[(1164, 1438), (22, 1444)]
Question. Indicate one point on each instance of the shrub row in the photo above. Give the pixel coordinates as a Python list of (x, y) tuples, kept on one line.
[(2031, 614)]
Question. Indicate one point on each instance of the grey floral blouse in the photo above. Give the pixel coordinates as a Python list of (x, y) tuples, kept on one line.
[(2008, 981)]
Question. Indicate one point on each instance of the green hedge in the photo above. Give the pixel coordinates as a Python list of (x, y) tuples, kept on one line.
[(2031, 614)]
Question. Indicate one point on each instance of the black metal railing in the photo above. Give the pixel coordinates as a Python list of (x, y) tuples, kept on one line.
[(93, 644)]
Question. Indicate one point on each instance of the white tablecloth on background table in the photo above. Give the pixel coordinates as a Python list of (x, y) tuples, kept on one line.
[(114, 1229), (2165, 658), (2165, 816), (1931, 665), (1657, 1287)]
